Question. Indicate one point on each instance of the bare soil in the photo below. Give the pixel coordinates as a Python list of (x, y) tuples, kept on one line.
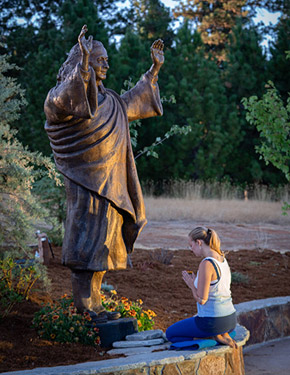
[(159, 285)]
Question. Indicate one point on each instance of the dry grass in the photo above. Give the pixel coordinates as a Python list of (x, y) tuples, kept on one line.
[(220, 210)]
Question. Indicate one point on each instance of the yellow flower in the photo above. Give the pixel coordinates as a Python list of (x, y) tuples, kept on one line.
[(71, 329), (150, 313), (140, 301), (139, 323), (113, 292), (52, 336)]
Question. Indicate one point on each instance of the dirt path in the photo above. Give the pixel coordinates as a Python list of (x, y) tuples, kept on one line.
[(172, 235)]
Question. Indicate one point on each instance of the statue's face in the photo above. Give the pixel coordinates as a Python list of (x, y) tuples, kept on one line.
[(99, 62)]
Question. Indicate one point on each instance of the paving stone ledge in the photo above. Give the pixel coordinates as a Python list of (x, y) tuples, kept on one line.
[(216, 360), (266, 319)]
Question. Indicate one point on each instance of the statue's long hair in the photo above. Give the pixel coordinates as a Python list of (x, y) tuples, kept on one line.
[(73, 58)]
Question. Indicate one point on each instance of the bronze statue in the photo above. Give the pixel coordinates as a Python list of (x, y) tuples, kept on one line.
[(87, 125)]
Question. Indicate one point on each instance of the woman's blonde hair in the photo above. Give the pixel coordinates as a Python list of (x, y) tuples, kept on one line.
[(209, 236)]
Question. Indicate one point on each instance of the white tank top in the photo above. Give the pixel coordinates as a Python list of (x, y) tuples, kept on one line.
[(219, 301)]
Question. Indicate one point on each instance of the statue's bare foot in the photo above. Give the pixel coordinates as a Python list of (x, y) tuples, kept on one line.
[(226, 340)]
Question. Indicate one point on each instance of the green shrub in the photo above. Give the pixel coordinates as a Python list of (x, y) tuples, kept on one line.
[(60, 322), (17, 279), (238, 278)]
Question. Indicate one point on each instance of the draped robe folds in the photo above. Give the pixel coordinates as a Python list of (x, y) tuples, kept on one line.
[(92, 149)]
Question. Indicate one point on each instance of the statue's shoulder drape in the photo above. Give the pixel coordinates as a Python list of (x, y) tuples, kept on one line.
[(89, 136)]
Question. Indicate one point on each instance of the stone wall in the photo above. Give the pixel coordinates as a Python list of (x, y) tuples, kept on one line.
[(266, 319), (230, 362)]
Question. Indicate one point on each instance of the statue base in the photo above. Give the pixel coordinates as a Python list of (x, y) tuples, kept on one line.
[(116, 330)]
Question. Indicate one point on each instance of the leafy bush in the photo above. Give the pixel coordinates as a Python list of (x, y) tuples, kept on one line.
[(239, 278), (61, 322), (17, 278), (130, 309)]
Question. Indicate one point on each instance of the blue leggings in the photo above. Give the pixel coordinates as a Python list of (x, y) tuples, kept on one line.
[(187, 329)]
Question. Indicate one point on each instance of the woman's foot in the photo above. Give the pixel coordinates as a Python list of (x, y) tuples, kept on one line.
[(226, 339)]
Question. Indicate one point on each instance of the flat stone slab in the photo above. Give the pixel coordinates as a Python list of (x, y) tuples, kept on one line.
[(133, 344), (146, 335), (139, 350)]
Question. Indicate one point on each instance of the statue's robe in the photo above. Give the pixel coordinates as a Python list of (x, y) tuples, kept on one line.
[(89, 136)]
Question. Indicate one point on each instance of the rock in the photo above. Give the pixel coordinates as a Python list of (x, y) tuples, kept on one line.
[(138, 350), (146, 335), (133, 344), (116, 330)]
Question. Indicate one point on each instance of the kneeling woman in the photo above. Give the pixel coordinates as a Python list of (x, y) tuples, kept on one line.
[(216, 315)]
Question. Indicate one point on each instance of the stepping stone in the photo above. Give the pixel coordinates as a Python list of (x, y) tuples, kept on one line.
[(146, 335), (138, 350), (133, 344)]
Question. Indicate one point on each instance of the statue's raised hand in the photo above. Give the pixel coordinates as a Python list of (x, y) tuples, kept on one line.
[(157, 52), (86, 46)]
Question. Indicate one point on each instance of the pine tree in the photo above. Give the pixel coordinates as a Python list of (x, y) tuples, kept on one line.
[(152, 20), (40, 48), (245, 74), (278, 64), (20, 210), (201, 103), (215, 20)]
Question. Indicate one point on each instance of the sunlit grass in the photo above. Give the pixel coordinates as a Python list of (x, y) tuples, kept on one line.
[(220, 210)]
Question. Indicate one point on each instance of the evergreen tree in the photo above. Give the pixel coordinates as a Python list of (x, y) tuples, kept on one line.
[(245, 74), (152, 20), (40, 50), (128, 63), (278, 64), (19, 168), (201, 103), (214, 19)]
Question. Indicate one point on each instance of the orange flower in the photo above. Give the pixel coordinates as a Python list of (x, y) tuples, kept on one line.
[(52, 336), (139, 323), (97, 341), (133, 313), (55, 317)]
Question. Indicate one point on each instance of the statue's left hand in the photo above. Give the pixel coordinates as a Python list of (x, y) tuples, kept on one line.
[(157, 52)]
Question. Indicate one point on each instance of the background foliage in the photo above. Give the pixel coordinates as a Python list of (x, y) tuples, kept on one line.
[(214, 58)]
